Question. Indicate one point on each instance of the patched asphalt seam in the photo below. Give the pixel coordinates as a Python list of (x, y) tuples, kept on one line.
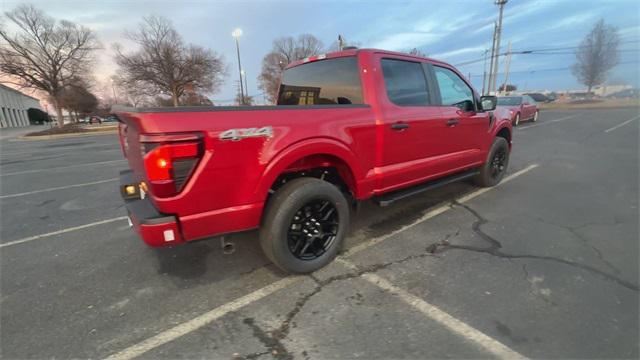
[(532, 291), (495, 246)]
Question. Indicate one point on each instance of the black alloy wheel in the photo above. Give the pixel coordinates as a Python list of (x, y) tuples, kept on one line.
[(498, 163), (313, 229)]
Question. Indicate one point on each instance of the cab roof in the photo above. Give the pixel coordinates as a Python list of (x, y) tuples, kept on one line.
[(354, 52)]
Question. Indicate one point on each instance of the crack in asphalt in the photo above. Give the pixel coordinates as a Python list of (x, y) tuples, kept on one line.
[(574, 231), (273, 340), (495, 246)]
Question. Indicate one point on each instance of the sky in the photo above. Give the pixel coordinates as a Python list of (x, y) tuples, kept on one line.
[(453, 31)]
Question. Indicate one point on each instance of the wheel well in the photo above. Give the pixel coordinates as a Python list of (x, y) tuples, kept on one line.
[(325, 167), (504, 133)]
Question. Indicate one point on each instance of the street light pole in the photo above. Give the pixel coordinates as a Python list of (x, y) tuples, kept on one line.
[(246, 87), (236, 34)]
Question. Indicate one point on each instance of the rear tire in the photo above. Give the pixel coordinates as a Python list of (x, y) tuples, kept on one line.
[(535, 116), (493, 170), (304, 225)]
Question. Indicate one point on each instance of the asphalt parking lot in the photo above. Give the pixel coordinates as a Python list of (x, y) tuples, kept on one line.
[(543, 266)]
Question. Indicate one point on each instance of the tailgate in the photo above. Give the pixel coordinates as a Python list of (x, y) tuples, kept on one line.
[(129, 132)]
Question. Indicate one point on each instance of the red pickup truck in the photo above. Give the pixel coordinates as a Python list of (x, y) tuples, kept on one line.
[(348, 126)]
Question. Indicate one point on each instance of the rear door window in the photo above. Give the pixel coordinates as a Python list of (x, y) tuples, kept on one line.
[(405, 82), (325, 82)]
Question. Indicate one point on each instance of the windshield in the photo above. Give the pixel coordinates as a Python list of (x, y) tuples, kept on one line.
[(509, 100), (326, 82)]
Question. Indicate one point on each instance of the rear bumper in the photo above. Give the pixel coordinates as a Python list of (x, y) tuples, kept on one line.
[(155, 229), (158, 229)]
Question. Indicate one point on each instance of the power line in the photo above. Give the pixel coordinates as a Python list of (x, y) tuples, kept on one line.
[(540, 51), (552, 69)]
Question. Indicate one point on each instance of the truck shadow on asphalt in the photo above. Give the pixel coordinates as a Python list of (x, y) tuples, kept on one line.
[(204, 262)]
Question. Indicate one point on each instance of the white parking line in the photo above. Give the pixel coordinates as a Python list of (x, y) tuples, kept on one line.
[(433, 213), (202, 320), (36, 237), (621, 125), (206, 318), (62, 167), (469, 333), (548, 122), (56, 188)]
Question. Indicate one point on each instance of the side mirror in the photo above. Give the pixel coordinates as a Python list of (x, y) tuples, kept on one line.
[(488, 103)]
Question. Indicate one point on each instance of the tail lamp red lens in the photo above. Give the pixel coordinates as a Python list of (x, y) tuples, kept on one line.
[(169, 164)]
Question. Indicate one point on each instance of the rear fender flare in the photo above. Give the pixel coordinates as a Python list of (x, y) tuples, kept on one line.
[(300, 150)]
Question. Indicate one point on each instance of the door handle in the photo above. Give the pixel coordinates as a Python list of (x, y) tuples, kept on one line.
[(399, 126), (453, 122)]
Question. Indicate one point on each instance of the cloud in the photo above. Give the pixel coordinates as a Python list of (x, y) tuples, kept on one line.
[(629, 31), (435, 27), (453, 53), (572, 20), (406, 40), (513, 13)]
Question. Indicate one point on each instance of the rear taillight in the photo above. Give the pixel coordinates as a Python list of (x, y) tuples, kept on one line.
[(169, 161)]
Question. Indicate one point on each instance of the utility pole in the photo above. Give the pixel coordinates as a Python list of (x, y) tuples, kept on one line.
[(484, 72), (507, 63), (495, 52)]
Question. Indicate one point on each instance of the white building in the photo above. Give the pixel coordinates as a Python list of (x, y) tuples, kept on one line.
[(14, 106), (605, 90)]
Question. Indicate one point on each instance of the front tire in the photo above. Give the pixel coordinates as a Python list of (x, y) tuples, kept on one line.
[(535, 116), (516, 121), (304, 226), (493, 170)]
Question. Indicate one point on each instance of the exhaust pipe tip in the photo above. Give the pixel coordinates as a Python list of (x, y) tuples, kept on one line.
[(228, 247)]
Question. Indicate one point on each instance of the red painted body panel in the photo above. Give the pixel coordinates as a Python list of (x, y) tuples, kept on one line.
[(230, 184)]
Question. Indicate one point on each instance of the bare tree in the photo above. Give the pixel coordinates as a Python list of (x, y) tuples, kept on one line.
[(45, 54), (507, 88), (132, 93), (248, 100), (78, 99), (285, 50), (165, 63), (192, 97), (416, 52), (596, 55)]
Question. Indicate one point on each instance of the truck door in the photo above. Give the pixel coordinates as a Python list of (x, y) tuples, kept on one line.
[(465, 126), (413, 137)]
